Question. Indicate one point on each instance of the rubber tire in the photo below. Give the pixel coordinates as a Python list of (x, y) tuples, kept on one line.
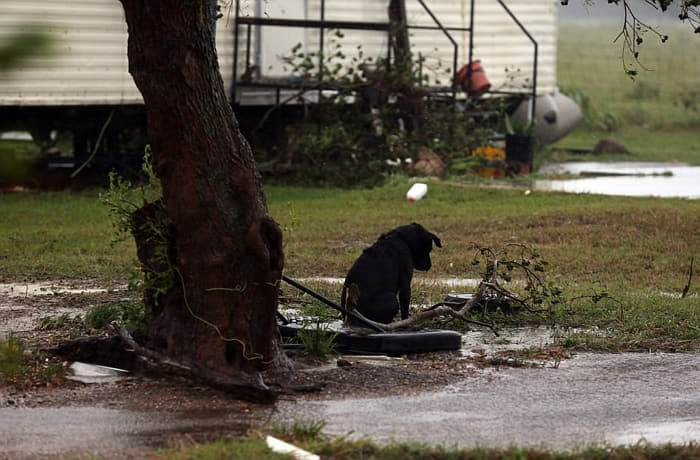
[(389, 343)]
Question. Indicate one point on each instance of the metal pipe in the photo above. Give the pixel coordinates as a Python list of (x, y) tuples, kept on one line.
[(471, 44), (328, 302), (235, 54), (320, 50), (353, 25), (534, 68), (247, 48), (454, 46)]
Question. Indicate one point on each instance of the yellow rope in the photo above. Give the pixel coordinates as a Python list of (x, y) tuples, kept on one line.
[(214, 326)]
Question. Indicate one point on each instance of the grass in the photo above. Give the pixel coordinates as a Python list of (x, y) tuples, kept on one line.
[(657, 116), (21, 367), (636, 250), (661, 145), (61, 234), (13, 357), (317, 341), (342, 449), (635, 242), (664, 96)]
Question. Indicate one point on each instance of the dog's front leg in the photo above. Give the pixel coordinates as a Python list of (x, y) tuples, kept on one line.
[(405, 296)]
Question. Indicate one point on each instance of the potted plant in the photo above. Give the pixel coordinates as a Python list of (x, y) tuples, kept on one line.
[(520, 145)]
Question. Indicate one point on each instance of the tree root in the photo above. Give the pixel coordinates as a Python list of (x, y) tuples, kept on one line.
[(251, 389)]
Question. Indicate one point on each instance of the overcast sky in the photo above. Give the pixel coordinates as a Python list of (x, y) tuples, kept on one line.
[(600, 11)]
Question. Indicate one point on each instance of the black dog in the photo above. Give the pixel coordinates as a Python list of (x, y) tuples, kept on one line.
[(384, 270)]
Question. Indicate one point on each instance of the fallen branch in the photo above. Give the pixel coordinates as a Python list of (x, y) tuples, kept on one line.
[(445, 309), (527, 262)]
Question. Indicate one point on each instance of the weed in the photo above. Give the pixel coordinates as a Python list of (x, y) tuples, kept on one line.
[(102, 315), (320, 313), (130, 314), (13, 357), (317, 341), (300, 431), (594, 118), (644, 90), (18, 363), (60, 322)]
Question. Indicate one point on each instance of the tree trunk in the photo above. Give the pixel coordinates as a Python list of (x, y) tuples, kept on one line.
[(399, 32), (218, 315), (410, 97)]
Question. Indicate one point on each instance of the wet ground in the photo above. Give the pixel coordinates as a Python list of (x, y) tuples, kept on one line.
[(457, 398), (592, 398), (665, 180), (126, 419)]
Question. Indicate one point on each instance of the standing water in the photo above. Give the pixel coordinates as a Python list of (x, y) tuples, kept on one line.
[(663, 180)]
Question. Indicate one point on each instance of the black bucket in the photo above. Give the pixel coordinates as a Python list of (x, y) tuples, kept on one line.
[(519, 152)]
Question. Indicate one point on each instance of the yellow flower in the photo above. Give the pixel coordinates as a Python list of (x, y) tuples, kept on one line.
[(490, 153)]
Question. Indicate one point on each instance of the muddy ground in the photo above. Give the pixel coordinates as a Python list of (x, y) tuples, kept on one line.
[(456, 398), (129, 417)]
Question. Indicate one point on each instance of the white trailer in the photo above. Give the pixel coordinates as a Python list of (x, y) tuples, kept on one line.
[(87, 77)]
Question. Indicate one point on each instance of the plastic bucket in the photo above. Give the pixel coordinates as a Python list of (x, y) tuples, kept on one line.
[(519, 152), (474, 83)]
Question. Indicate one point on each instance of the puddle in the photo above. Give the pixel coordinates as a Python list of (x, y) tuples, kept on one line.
[(94, 432), (680, 432), (19, 318), (447, 282), (663, 180), (22, 305), (44, 288), (589, 399), (483, 342)]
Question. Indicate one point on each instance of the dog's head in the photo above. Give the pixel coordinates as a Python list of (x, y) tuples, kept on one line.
[(420, 241)]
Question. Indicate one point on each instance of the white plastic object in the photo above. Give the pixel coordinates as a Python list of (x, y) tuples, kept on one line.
[(281, 447), (416, 192)]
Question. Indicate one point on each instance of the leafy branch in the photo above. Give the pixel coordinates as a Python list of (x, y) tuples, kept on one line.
[(517, 264)]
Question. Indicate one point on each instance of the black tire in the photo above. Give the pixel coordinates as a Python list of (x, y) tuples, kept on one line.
[(389, 343)]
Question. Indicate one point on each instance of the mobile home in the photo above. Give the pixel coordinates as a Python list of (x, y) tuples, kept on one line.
[(86, 81)]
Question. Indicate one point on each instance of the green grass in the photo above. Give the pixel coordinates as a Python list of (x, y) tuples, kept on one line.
[(18, 364), (244, 449), (662, 144), (637, 250), (342, 449), (658, 114), (665, 96), (16, 160), (635, 242), (13, 358), (60, 234)]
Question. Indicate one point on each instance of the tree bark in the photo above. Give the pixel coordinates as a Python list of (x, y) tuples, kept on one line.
[(399, 32), (226, 252)]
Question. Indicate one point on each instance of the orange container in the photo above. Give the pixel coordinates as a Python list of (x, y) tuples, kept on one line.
[(475, 84)]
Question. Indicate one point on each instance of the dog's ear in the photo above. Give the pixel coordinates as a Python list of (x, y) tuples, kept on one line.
[(436, 240)]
